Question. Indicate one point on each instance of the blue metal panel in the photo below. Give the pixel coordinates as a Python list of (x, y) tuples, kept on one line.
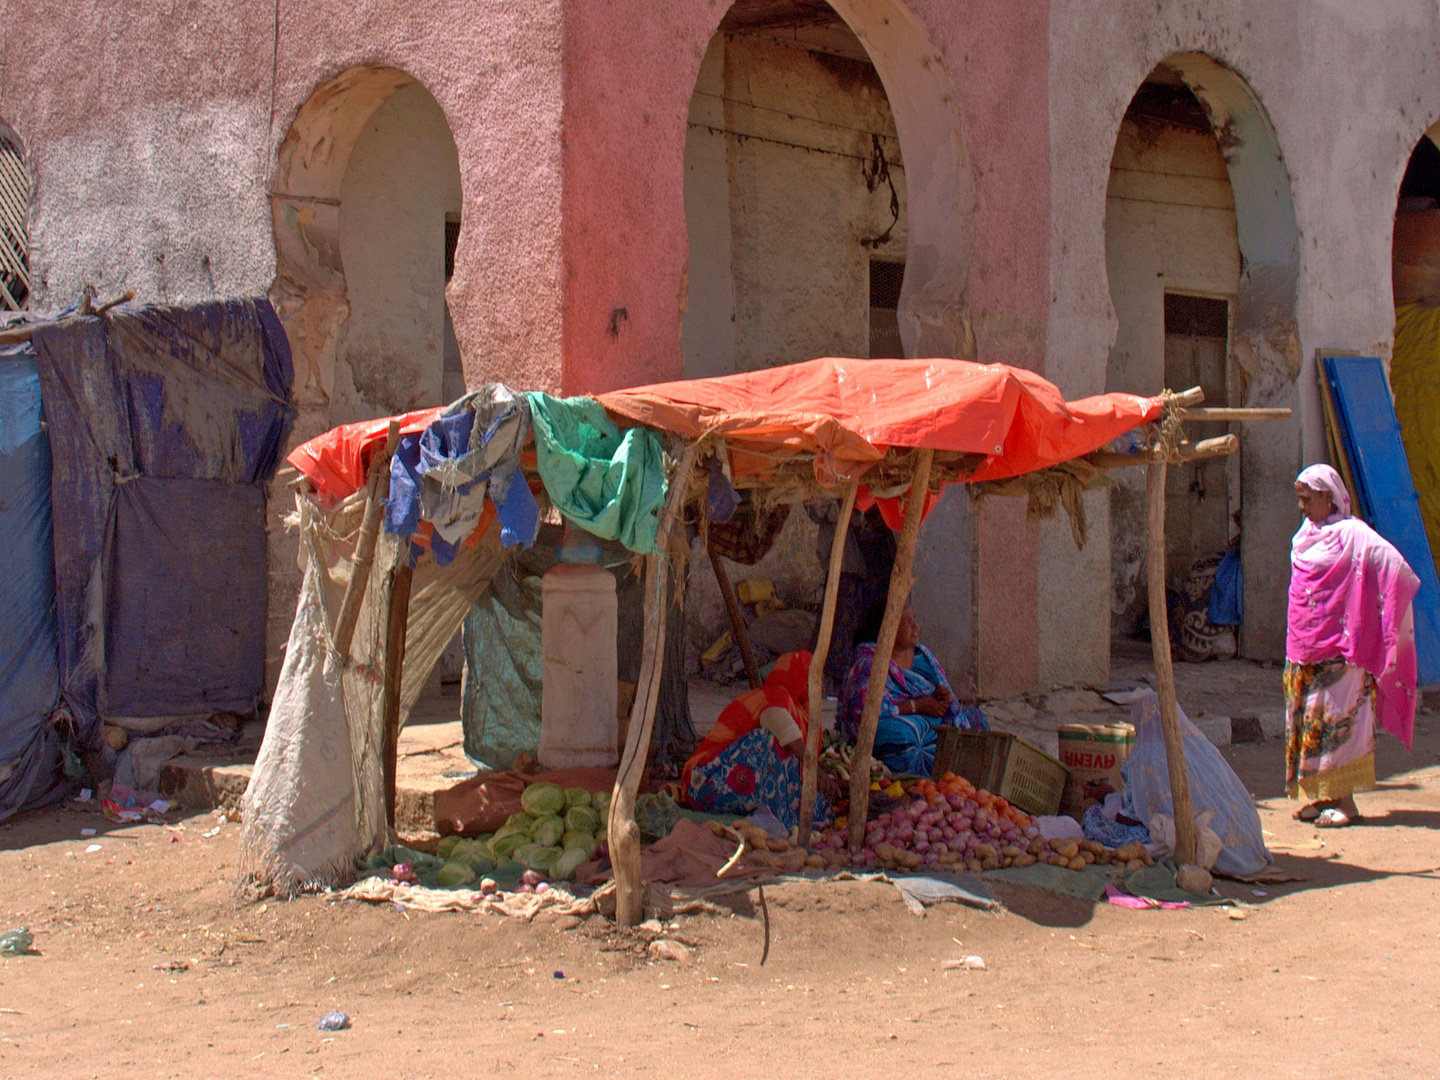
[(1388, 501)]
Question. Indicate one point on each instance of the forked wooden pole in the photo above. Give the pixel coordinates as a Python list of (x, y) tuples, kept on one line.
[(810, 771), (624, 833), (1164, 670), (900, 582), (738, 630), (377, 487)]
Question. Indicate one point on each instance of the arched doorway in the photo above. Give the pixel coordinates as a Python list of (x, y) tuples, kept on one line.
[(1202, 257), (1415, 362), (367, 217), (794, 196), (829, 204), (14, 223)]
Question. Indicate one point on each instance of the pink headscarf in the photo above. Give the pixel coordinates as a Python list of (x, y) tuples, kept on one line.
[(1324, 478), (1350, 597)]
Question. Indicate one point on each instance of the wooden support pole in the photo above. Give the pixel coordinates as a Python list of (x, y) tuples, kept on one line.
[(1164, 670), (1220, 446), (624, 833), (900, 582), (810, 770), (397, 617), (1224, 414), (737, 620), (377, 488)]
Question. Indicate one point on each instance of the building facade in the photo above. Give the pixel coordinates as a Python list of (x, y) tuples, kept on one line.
[(578, 195)]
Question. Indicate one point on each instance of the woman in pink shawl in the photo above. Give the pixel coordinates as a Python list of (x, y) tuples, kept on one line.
[(1350, 651)]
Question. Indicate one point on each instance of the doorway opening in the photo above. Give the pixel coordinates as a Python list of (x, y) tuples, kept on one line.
[(794, 189), (1173, 255)]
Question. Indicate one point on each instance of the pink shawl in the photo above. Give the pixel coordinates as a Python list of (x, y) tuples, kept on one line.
[(1350, 597)]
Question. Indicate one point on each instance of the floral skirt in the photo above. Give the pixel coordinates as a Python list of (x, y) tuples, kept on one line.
[(1329, 730), (752, 772)]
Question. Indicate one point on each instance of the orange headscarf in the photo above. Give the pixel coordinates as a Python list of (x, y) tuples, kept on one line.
[(786, 687)]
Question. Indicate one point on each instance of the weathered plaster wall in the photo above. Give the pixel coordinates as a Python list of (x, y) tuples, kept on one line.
[(1347, 90), (1169, 225), (403, 177), (778, 220)]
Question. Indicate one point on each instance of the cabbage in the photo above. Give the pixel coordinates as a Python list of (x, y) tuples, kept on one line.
[(453, 875), (577, 796), (503, 846), (536, 856), (542, 798), (447, 845), (582, 818), (565, 863), (582, 840), (547, 831)]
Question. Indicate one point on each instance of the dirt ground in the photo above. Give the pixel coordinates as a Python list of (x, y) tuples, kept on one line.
[(149, 965)]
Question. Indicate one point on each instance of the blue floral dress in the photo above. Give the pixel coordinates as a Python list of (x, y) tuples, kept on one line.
[(905, 743)]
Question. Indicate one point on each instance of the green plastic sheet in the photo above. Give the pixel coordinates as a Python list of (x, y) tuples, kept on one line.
[(610, 483)]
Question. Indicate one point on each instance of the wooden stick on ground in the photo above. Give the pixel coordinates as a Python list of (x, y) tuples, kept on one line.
[(396, 619), (737, 620), (900, 582), (810, 772), (377, 487), (1164, 671), (624, 833)]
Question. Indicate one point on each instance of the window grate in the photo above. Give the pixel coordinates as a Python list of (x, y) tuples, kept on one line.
[(452, 241), (886, 278), (1196, 316)]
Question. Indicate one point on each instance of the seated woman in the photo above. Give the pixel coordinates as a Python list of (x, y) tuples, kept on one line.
[(917, 700), (752, 757)]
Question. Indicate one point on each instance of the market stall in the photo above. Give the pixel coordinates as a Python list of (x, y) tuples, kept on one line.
[(467, 480)]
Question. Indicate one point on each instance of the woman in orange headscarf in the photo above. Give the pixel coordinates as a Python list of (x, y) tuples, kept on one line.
[(752, 757)]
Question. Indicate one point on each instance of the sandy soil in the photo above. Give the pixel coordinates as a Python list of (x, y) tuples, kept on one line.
[(149, 965)]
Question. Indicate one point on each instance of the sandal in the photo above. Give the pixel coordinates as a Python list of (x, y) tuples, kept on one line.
[(1334, 818), (1307, 813)]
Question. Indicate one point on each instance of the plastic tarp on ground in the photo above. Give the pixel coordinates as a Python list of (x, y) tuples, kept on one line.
[(29, 676), (849, 412), (164, 424)]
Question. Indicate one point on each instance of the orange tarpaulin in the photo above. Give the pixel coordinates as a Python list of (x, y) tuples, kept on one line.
[(848, 413), (335, 462)]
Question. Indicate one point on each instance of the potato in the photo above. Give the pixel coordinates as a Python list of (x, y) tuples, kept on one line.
[(1093, 846), (777, 843), (1038, 846), (1067, 848), (1009, 851), (1077, 863), (885, 852), (986, 851), (974, 866), (909, 860), (1087, 857), (1134, 864), (992, 863), (1007, 862), (767, 858), (1024, 860), (794, 860), (815, 862)]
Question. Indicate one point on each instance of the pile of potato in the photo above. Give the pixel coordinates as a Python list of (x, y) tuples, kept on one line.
[(1078, 854), (777, 852)]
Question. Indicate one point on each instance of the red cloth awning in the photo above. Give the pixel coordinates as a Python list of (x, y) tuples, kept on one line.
[(850, 412)]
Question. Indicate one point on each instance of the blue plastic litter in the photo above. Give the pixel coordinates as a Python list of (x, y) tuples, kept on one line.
[(335, 1020), (1388, 501)]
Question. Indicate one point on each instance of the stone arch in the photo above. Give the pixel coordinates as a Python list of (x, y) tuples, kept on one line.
[(939, 192), (14, 222), (312, 294), (1263, 338)]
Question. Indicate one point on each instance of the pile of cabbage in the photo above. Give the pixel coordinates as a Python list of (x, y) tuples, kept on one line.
[(557, 830)]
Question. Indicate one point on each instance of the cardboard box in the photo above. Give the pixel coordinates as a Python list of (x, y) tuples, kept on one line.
[(1095, 751)]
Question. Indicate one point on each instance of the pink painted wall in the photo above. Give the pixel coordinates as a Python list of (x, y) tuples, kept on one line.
[(630, 69)]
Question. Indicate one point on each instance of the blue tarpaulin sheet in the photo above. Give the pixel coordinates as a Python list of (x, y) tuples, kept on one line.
[(164, 422), (1388, 500), (29, 677)]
